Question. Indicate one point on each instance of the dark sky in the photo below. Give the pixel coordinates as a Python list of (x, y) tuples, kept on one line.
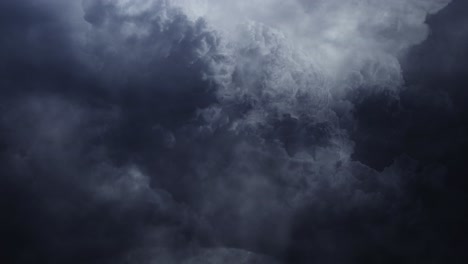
[(260, 131)]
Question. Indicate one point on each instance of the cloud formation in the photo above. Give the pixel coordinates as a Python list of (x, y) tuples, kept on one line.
[(173, 131)]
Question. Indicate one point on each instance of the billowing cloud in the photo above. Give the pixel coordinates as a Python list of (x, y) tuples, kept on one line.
[(176, 131)]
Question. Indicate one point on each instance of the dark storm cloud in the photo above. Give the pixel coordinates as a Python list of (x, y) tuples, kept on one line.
[(64, 196), (431, 108), (137, 132), (427, 121)]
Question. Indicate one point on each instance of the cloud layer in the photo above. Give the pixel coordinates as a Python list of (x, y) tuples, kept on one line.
[(176, 131)]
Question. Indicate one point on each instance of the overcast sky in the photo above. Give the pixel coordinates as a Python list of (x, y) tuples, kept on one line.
[(249, 131)]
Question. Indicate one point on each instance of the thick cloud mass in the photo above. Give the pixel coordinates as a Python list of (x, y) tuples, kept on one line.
[(261, 131)]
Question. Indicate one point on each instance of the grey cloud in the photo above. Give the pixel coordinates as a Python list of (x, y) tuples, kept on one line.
[(174, 132)]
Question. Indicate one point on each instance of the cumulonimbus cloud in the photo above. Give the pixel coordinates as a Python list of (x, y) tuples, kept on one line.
[(287, 57), (273, 65), (223, 121)]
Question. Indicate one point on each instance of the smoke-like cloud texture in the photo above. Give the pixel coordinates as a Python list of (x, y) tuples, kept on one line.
[(251, 131)]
